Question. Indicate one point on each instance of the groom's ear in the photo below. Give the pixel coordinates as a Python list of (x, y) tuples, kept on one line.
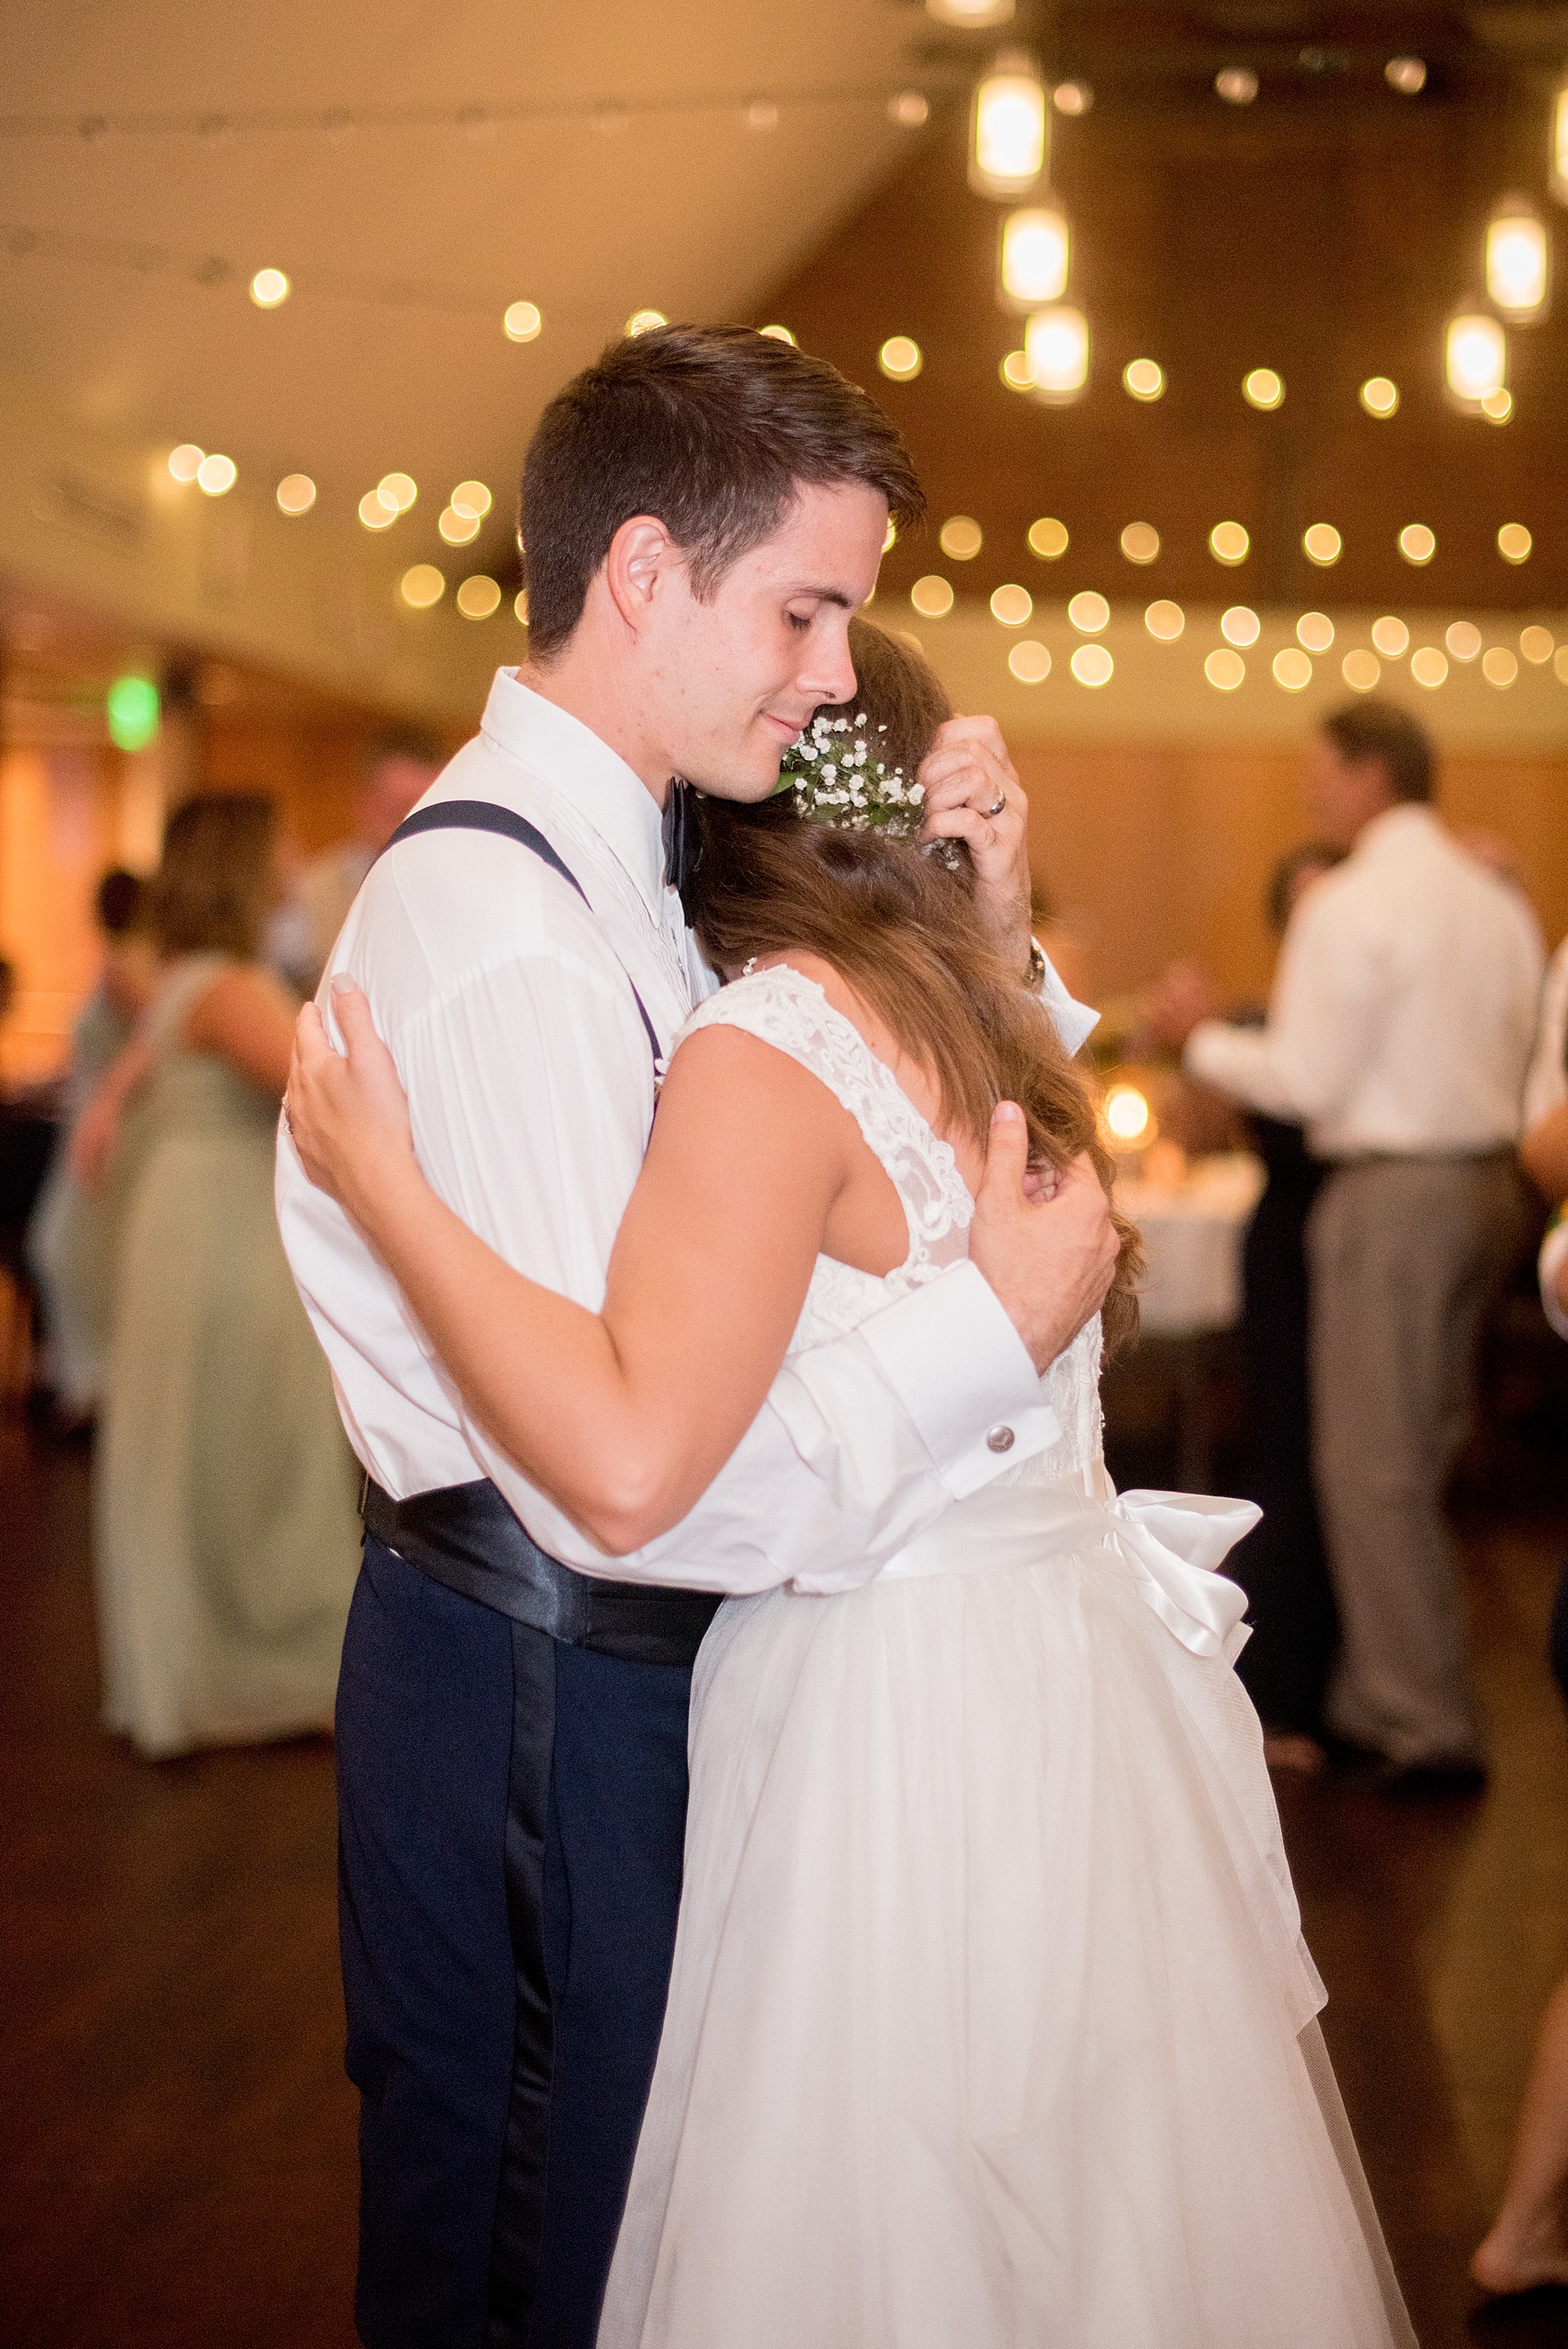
[(637, 566)]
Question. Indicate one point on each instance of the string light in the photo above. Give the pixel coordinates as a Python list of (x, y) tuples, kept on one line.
[(1047, 538), (269, 289), (900, 358), (1498, 667), (1264, 387), (1406, 75), (1416, 543), (1315, 631), (521, 321), (961, 537), (1292, 669), (1228, 543), (185, 461), (644, 321), (1140, 543), (1088, 613), (1498, 406), (1092, 665), (1033, 256), (296, 494), (777, 334), (421, 585), (1071, 98), (1379, 395), (1513, 542), (457, 529), (398, 490), (377, 513), (472, 498), (1165, 621), (478, 597), (1008, 138), (1225, 670), (1029, 661), (1238, 85), (1535, 644), (971, 14), (520, 606), (1323, 545), (1240, 624), (132, 710), (1559, 145), (1359, 670), (1429, 667), (1012, 605), (1016, 373), (931, 597), (1391, 637), (1463, 639), (761, 115), (1143, 379), (216, 475), (909, 108)]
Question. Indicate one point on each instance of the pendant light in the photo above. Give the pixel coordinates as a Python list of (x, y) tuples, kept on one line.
[(1476, 353), (1008, 146), (1057, 341), (1033, 257), (1518, 259)]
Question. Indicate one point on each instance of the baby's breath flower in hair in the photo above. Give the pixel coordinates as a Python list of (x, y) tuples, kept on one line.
[(837, 778)]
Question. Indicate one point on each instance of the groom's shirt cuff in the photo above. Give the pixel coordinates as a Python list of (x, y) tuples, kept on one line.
[(964, 1376)]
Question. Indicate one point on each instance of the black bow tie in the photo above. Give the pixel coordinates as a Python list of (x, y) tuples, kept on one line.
[(683, 840)]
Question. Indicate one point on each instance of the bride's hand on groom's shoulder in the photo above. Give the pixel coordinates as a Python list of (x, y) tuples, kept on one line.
[(965, 773), (1050, 1260), (346, 1111)]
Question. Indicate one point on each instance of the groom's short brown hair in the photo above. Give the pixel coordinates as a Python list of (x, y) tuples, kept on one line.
[(710, 428)]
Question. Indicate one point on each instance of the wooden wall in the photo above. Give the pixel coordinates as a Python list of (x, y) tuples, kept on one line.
[(1151, 853)]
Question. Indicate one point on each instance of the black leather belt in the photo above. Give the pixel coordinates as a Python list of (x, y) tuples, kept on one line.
[(466, 1537)]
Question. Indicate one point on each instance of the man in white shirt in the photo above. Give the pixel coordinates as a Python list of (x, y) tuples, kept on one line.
[(398, 771), (703, 511), (1399, 1029)]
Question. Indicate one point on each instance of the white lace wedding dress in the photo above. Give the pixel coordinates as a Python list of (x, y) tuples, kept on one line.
[(991, 2023)]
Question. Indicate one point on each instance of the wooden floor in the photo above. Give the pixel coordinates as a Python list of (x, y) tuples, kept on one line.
[(176, 2134)]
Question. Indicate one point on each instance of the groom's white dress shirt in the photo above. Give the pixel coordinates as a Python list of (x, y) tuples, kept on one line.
[(508, 1007)]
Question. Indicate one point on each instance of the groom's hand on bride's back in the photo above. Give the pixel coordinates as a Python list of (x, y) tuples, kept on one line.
[(1050, 1261)]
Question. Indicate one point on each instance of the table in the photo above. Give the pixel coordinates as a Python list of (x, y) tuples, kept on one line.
[(1192, 1230)]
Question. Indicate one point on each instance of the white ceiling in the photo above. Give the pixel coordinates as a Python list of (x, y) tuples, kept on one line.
[(405, 241)]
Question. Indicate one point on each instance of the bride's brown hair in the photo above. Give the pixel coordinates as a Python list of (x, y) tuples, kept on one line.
[(900, 924)]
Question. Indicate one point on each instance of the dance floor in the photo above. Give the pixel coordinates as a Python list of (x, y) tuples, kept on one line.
[(177, 2148)]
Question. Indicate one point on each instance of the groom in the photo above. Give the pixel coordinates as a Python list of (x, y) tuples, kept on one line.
[(703, 511)]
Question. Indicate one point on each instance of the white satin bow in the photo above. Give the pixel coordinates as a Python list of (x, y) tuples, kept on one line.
[(1174, 1542)]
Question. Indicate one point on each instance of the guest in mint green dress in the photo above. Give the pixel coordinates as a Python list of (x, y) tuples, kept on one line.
[(226, 1539)]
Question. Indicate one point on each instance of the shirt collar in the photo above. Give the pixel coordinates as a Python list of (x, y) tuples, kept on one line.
[(583, 769), (1406, 820)]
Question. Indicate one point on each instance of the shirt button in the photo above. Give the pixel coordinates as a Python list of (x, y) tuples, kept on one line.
[(1000, 1439)]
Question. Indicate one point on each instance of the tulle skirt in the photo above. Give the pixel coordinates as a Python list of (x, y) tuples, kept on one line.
[(990, 2023)]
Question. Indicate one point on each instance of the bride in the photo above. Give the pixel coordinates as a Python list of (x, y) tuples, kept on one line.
[(991, 2021)]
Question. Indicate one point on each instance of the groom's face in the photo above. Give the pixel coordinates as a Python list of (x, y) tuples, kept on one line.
[(736, 676)]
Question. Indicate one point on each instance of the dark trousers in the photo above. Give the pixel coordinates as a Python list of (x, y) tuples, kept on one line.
[(512, 1813), (1281, 1566)]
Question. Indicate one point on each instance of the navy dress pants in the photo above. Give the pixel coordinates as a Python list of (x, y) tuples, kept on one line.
[(512, 1813)]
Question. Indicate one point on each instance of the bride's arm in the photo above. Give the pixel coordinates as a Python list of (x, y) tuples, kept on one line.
[(621, 1417)]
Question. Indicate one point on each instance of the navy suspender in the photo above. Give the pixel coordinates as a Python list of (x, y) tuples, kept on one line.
[(484, 816)]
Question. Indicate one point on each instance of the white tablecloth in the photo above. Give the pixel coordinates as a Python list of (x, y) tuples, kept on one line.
[(1193, 1235)]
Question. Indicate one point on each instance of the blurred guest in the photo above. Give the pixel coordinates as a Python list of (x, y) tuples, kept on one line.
[(1281, 1566), (1544, 1147), (1528, 2242), (69, 1236), (226, 1540), (398, 771), (1398, 1034)]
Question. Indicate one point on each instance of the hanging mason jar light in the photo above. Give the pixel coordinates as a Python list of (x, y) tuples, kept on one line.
[(1476, 355), (1057, 341), (1008, 146), (1033, 255), (1518, 259), (1559, 145), (970, 13)]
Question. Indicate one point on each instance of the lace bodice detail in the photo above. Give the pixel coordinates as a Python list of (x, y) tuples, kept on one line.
[(784, 1009)]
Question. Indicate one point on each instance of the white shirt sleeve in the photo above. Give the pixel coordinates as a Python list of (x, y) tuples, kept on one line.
[(1303, 1063), (861, 1443)]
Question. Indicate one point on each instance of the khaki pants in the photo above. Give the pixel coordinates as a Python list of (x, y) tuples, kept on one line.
[(1404, 1256)]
